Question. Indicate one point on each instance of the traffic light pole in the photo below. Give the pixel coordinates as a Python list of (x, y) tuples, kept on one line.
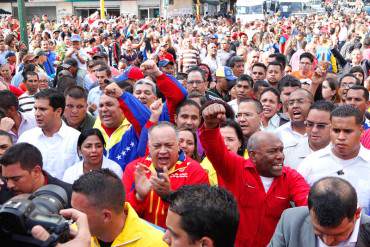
[(22, 22)]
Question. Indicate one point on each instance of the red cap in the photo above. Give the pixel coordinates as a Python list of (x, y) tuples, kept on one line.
[(167, 56), (135, 73)]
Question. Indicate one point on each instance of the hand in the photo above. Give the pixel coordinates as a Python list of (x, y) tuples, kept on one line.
[(113, 90), (150, 68), (213, 115), (92, 107), (320, 73), (6, 123), (156, 110), (142, 184), (81, 238), (161, 184)]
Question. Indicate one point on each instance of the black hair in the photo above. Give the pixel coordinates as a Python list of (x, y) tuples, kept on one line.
[(29, 73), (239, 132), (307, 55), (332, 199), (258, 64), (206, 212), (26, 154), (196, 68), (56, 99), (363, 89), (247, 78), (205, 66), (288, 81), (359, 69), (276, 64), (71, 61), (4, 133), (358, 82), (347, 111), (195, 155), (234, 60), (260, 83), (323, 105), (103, 188), (7, 100), (185, 103), (76, 92), (89, 132), (106, 69), (280, 58), (272, 90)]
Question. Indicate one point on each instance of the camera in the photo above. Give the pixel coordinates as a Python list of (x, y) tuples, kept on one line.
[(19, 215)]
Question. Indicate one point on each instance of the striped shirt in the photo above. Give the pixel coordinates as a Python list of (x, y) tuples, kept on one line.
[(189, 57), (26, 102)]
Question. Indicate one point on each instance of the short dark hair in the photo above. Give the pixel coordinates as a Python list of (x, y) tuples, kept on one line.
[(363, 89), (332, 199), (247, 78), (255, 102), (347, 111), (275, 64), (186, 102), (29, 73), (56, 99), (103, 188), (260, 83), (307, 55), (229, 112), (206, 212), (323, 105), (76, 92), (234, 60), (359, 69), (7, 100), (4, 133), (272, 90), (280, 58), (26, 154), (258, 64), (90, 132), (200, 70), (358, 82), (288, 81), (104, 68)]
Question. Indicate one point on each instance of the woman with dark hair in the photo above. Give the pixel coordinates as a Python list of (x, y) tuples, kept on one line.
[(329, 90), (359, 73), (188, 143), (90, 146), (234, 141), (207, 72)]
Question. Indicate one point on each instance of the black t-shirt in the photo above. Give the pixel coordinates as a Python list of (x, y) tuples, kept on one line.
[(105, 244)]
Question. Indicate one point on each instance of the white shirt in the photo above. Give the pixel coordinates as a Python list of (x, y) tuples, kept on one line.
[(294, 155), (28, 122), (266, 182), (351, 242), (234, 105), (324, 163), (272, 124), (82, 55), (58, 152), (288, 136), (75, 171)]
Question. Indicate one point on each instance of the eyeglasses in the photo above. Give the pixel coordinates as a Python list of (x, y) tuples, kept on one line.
[(347, 85), (320, 126), (194, 82), (32, 81)]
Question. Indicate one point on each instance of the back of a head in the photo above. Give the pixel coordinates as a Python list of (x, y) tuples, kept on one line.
[(323, 105), (26, 154), (206, 212), (7, 100), (103, 188), (332, 199)]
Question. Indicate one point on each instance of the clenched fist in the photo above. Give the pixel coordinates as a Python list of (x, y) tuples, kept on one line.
[(213, 115), (150, 68)]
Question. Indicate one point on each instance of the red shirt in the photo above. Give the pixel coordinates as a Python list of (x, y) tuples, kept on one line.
[(259, 211), (153, 208), (365, 139)]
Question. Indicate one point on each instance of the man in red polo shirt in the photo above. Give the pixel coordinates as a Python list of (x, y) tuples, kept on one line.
[(262, 186)]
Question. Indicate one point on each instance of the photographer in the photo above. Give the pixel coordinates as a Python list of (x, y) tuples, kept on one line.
[(22, 170), (81, 238)]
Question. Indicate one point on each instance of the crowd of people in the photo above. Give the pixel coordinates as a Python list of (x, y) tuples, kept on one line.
[(192, 132)]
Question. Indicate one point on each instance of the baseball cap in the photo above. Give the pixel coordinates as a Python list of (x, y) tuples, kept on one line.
[(75, 37), (226, 72), (100, 55), (39, 52), (164, 63), (132, 72), (68, 63), (10, 54)]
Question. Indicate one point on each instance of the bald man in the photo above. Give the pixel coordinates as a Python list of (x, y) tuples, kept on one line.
[(262, 185)]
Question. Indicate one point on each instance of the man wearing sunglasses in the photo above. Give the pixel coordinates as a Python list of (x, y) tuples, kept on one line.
[(318, 133)]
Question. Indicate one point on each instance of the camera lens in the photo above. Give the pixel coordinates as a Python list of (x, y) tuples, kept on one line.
[(52, 198)]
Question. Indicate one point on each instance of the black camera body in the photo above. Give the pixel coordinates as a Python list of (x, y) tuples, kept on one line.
[(19, 215)]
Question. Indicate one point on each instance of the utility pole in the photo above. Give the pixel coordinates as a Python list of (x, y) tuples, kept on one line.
[(22, 22), (102, 9)]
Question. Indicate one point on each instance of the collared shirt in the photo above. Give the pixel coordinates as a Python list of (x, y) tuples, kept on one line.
[(58, 152), (135, 233), (75, 171), (94, 97), (288, 136), (324, 163), (351, 242), (294, 155), (234, 105), (28, 122), (272, 124)]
